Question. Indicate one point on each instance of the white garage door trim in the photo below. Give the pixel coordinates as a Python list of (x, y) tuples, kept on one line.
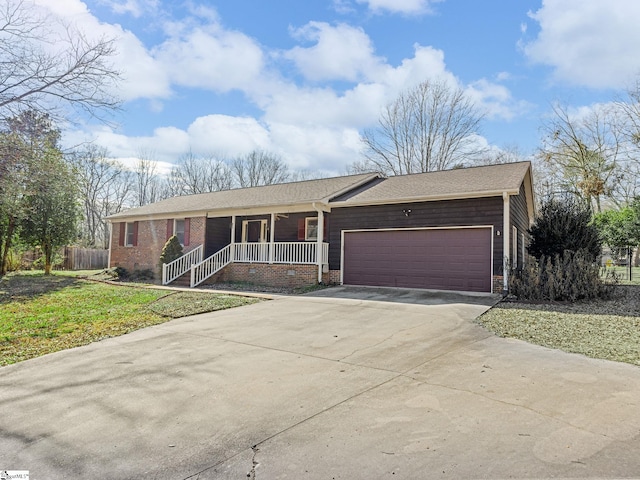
[(457, 227)]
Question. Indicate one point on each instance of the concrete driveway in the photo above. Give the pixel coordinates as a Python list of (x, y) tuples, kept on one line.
[(344, 384)]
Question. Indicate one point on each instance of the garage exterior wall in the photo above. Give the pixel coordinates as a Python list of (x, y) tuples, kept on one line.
[(444, 213), (520, 219)]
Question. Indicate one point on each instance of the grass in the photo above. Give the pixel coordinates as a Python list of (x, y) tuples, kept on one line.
[(43, 314), (605, 329), (623, 274)]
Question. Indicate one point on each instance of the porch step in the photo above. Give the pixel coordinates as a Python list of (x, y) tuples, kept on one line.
[(183, 281)]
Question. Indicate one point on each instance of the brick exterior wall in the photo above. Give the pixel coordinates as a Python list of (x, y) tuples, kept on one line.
[(334, 277), (498, 284), (152, 235), (277, 275)]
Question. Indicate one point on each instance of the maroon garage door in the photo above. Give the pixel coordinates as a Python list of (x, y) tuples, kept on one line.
[(442, 259)]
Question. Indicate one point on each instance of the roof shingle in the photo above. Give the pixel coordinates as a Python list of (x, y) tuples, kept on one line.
[(461, 182), (347, 191), (293, 193)]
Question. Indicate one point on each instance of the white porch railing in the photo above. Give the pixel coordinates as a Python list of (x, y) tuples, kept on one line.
[(283, 252), (180, 266), (216, 262), (251, 252)]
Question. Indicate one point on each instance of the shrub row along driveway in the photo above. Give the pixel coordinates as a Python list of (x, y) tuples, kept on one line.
[(346, 383)]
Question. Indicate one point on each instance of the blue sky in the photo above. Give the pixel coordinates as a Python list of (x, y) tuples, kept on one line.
[(302, 78)]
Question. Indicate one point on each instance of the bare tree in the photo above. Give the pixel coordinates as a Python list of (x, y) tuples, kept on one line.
[(628, 125), (105, 187), (427, 128), (259, 168), (52, 67), (497, 156), (148, 184), (199, 175), (581, 153)]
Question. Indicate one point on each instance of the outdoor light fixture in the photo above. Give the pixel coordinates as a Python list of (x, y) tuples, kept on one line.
[(406, 212)]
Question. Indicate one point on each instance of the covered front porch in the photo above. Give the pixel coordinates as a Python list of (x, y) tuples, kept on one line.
[(276, 238)]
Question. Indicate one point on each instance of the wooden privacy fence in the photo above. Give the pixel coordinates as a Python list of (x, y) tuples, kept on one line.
[(76, 258)]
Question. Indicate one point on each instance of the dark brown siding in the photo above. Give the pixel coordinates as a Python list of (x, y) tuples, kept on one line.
[(286, 229), (520, 219), (217, 235), (464, 212)]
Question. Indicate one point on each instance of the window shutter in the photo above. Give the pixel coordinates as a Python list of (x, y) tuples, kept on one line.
[(135, 234), (123, 226), (301, 229), (169, 228), (187, 231)]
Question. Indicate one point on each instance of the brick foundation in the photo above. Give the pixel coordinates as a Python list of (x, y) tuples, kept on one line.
[(498, 284), (277, 275)]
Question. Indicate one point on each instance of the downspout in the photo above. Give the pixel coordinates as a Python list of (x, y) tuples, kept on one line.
[(110, 243), (319, 239), (506, 231)]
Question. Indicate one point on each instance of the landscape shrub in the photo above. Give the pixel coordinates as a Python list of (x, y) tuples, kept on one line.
[(121, 273), (171, 251), (570, 276), (564, 225)]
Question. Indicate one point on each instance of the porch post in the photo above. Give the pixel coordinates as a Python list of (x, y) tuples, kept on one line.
[(506, 231), (233, 237), (272, 237), (319, 243)]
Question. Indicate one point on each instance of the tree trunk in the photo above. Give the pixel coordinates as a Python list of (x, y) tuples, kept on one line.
[(7, 245), (48, 253)]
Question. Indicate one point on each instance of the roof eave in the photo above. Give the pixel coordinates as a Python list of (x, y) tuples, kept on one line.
[(430, 198)]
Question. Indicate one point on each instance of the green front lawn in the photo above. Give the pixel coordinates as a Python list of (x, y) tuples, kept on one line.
[(606, 329), (43, 314)]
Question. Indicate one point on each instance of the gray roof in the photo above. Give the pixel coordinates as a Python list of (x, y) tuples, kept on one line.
[(364, 189), (458, 183), (294, 193)]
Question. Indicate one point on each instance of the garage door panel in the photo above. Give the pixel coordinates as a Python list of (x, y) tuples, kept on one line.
[(447, 259)]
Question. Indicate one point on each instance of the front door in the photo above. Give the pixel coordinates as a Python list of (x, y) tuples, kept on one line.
[(254, 231), (254, 237)]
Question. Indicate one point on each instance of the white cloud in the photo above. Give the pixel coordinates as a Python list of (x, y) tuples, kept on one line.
[(340, 52), (400, 6), (359, 106), (588, 42), (221, 134), (211, 58), (495, 99), (133, 7), (230, 136), (325, 149)]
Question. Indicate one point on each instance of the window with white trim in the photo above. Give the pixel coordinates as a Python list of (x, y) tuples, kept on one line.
[(129, 234), (178, 230), (311, 228)]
